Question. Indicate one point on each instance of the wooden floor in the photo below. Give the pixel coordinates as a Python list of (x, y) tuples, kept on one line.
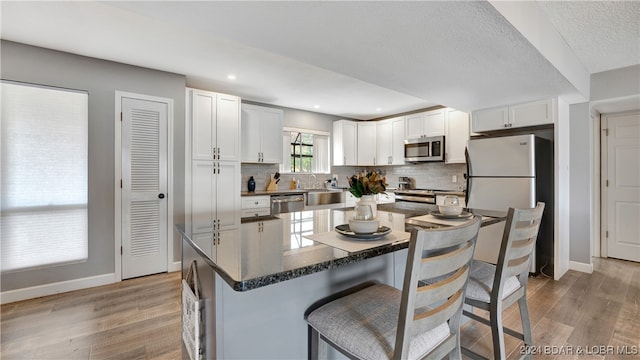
[(133, 319), (140, 319)]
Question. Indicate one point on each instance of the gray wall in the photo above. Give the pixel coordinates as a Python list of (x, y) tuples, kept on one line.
[(616, 83), (101, 79), (580, 195)]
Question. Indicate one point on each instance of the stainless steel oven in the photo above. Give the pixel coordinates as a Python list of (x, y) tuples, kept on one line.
[(424, 149)]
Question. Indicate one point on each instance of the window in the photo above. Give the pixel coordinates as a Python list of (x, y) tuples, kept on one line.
[(44, 156), (305, 151)]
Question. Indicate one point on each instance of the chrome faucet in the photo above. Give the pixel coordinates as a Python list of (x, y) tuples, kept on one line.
[(314, 182)]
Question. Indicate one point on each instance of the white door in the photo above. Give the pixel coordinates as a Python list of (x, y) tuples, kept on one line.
[(622, 174), (144, 187)]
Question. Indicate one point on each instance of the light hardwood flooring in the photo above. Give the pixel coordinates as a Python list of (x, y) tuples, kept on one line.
[(133, 319), (140, 319)]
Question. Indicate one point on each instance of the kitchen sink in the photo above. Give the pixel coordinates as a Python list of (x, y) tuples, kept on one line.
[(325, 197)]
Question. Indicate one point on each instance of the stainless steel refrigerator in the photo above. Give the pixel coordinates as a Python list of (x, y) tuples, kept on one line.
[(513, 171)]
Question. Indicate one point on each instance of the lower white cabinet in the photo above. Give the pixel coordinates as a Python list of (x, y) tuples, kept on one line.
[(221, 246), (262, 247), (256, 206)]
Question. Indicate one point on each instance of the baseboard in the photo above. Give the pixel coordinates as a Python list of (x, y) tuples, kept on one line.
[(56, 288), (175, 266), (582, 267)]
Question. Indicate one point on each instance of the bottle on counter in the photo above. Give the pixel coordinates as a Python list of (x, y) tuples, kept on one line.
[(293, 184), (251, 184)]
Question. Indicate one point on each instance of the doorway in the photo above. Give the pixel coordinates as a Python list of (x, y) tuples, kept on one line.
[(621, 185), (143, 201)]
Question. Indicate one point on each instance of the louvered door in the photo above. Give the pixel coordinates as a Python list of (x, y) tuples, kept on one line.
[(144, 187)]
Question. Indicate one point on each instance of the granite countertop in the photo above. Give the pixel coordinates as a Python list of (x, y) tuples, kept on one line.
[(277, 248)]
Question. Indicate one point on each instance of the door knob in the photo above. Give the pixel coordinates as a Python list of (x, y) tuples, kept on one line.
[(161, 196)]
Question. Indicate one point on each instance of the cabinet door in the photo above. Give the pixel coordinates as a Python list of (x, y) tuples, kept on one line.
[(349, 142), (457, 136), (397, 141), (344, 142), (205, 243), (227, 196), (203, 120), (271, 136), (271, 251), (490, 119), (202, 201), (251, 249), (414, 126), (367, 143), (228, 250), (228, 127), (250, 139), (531, 114), (384, 142), (434, 123)]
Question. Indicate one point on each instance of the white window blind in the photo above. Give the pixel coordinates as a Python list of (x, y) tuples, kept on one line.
[(44, 176)]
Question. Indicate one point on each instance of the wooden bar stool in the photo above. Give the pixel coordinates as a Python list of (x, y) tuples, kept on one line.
[(496, 287), (421, 321)]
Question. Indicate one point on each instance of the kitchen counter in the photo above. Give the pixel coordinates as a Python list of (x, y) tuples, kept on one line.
[(285, 191), (255, 290), (285, 251)]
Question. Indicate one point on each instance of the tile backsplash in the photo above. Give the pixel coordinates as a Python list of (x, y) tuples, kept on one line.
[(432, 175)]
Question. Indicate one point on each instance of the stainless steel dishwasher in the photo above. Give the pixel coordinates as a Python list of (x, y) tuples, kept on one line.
[(286, 203)]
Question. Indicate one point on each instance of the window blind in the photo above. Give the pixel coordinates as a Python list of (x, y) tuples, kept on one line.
[(44, 179)]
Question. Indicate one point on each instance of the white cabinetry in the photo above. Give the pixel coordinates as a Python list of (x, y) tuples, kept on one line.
[(261, 134), (215, 195), (390, 141), (366, 143), (345, 138), (426, 124), (215, 126), (521, 115), (456, 137), (262, 247), (255, 206), (213, 172)]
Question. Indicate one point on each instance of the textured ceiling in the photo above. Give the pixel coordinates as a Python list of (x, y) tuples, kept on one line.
[(355, 59), (604, 35)]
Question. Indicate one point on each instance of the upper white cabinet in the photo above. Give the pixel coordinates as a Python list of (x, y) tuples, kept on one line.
[(367, 142), (426, 124), (215, 127), (456, 137), (345, 138), (261, 134), (535, 113), (390, 142)]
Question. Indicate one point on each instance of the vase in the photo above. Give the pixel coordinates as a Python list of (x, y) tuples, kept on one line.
[(371, 201)]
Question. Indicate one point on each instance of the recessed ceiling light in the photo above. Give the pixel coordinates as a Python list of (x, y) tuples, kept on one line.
[(378, 109), (231, 76), (316, 106)]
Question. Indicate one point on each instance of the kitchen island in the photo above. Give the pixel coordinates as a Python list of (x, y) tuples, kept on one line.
[(256, 292)]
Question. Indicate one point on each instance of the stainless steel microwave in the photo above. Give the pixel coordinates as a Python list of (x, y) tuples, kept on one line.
[(424, 149)]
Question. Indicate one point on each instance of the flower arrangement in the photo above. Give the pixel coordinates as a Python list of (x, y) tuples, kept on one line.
[(367, 183)]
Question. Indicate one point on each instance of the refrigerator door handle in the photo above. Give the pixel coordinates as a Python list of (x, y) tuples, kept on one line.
[(467, 176)]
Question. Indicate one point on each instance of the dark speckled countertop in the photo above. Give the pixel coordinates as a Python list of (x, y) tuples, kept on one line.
[(275, 249)]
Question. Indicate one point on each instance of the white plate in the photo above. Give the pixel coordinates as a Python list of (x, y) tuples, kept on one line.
[(346, 231), (462, 216)]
